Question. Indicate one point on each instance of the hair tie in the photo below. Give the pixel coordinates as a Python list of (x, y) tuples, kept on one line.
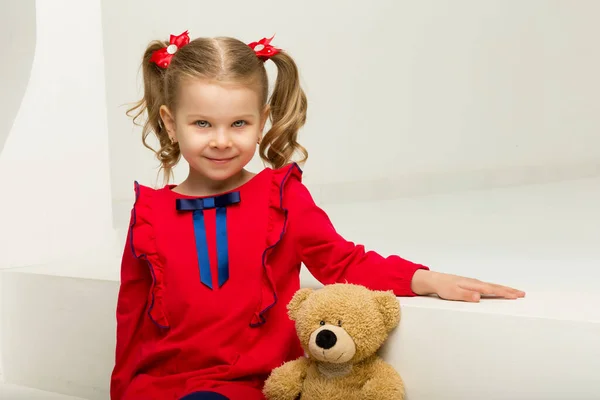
[(162, 57), (263, 48)]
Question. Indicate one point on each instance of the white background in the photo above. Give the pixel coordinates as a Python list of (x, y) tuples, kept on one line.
[(402, 90), (404, 98)]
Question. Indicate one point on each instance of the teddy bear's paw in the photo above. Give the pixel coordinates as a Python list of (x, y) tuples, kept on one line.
[(280, 391), (285, 382), (378, 389)]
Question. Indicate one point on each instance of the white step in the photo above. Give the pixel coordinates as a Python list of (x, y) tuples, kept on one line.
[(547, 347), (58, 333), (543, 239), (14, 392)]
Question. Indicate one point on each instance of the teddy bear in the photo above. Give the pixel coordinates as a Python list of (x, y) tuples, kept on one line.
[(341, 327)]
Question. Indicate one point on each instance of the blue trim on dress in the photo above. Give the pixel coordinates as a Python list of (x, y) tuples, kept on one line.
[(143, 256), (264, 257)]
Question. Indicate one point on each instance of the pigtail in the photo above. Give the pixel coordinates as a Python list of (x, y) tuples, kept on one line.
[(288, 107), (154, 96)]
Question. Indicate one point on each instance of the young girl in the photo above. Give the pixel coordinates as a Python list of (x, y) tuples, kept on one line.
[(210, 264)]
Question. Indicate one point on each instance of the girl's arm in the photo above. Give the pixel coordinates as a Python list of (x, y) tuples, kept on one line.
[(131, 306), (333, 259)]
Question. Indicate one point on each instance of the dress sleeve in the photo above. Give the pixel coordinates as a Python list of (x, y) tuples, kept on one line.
[(140, 310), (332, 259), (131, 305)]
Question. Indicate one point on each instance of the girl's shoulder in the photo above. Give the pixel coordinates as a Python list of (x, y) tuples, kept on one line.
[(287, 179)]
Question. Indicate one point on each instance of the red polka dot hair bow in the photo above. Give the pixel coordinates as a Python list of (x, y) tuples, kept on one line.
[(162, 57), (263, 48)]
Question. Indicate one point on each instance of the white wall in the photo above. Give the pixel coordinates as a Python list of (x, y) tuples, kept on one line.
[(17, 27), (54, 166), (446, 93)]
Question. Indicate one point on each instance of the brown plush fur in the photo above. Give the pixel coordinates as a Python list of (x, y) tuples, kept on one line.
[(349, 368)]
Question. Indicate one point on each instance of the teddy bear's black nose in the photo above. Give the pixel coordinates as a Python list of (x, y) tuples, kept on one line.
[(326, 339)]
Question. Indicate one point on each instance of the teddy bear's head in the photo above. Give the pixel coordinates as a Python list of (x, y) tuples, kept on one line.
[(343, 323)]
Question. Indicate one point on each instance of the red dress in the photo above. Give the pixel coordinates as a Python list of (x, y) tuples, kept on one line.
[(186, 325)]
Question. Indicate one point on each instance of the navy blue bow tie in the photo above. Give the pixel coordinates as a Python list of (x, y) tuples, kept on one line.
[(198, 206)]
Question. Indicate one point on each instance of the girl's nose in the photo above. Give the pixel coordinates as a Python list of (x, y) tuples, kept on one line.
[(221, 140)]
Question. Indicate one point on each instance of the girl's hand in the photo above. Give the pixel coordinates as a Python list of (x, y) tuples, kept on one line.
[(452, 287)]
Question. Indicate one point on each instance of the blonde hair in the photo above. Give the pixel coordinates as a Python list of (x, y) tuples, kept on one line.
[(226, 59)]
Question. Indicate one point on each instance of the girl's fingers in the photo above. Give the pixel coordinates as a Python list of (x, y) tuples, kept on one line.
[(452, 287), (491, 289), (462, 294), (509, 290)]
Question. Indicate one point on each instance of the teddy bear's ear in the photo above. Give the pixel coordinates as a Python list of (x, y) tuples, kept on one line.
[(389, 307), (294, 304)]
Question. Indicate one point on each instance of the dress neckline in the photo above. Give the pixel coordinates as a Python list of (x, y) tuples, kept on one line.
[(244, 186)]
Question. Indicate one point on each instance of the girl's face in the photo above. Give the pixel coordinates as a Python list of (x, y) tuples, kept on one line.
[(217, 125)]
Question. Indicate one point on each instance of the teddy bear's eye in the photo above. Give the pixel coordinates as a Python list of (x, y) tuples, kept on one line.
[(322, 323), (340, 323)]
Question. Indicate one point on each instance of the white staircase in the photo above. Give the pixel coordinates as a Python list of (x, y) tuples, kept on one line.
[(58, 321)]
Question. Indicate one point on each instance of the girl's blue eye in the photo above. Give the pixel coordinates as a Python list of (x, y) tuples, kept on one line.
[(202, 124), (239, 124)]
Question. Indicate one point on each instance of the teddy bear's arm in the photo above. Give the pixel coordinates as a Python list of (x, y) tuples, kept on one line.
[(385, 383), (285, 382)]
